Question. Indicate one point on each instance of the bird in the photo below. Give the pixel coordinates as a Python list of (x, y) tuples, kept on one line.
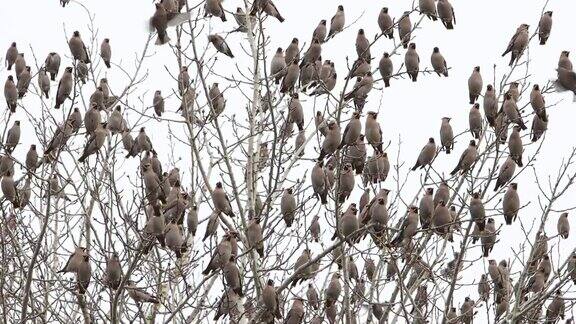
[(320, 31), (106, 52), (517, 44), (12, 137), (78, 48), (428, 8), (319, 184), (337, 22), (544, 27), (288, 206), (363, 46), (74, 260), (331, 140), (292, 52), (426, 156), (220, 44), (511, 203), (412, 62), (278, 65), (488, 237), (505, 173), (351, 131), (373, 132), (475, 121), (19, 65), (446, 13), (296, 313), (538, 103), (563, 225), (11, 55), (162, 19), (44, 82), (405, 29), (270, 300), (446, 135), (490, 105), (214, 8), (221, 201), (439, 63), (268, 7), (564, 61), (467, 159), (158, 103), (386, 69), (290, 78), (515, 145), (23, 82), (477, 211), (474, 85), (11, 94), (333, 290), (83, 274), (139, 295), (386, 23), (113, 275), (64, 87), (511, 110), (255, 237), (52, 65)]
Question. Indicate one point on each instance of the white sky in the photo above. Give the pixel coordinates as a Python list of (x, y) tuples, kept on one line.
[(412, 110)]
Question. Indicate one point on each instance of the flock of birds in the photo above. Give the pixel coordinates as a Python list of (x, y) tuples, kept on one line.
[(343, 156)]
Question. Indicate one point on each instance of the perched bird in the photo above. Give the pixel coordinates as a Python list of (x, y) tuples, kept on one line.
[(23, 82), (566, 80), (312, 296), (484, 288), (563, 226), (158, 103), (78, 49), (83, 274), (183, 80), (162, 19), (106, 52), (82, 71), (11, 55), (506, 173), (214, 8), (52, 65), (556, 308), (446, 135), (331, 140), (475, 121), (405, 29), (517, 44), (220, 44), (315, 228), (64, 87), (373, 131), (360, 91), (426, 208), (426, 156), (446, 13), (477, 211), (290, 78), (333, 291), (511, 203), (441, 218), (113, 275), (296, 313), (174, 240), (490, 105), (268, 7), (337, 23), (386, 69), (515, 145), (538, 103), (467, 159), (439, 63), (32, 159), (12, 137), (74, 260), (488, 237), (270, 299), (288, 206), (544, 27), (363, 46), (278, 65), (512, 113), (221, 201), (44, 82), (442, 193), (467, 310), (320, 31), (352, 131), (255, 237), (564, 61), (19, 65), (11, 94), (346, 182), (319, 184), (428, 8), (475, 85), (227, 305), (412, 62), (243, 22), (536, 282), (385, 23), (139, 295), (9, 189), (292, 52)]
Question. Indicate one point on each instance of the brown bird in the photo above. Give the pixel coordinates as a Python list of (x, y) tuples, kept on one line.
[(9, 189), (320, 31), (564, 61), (315, 228), (12, 137), (266, 6), (467, 310), (106, 52), (490, 105), (270, 300), (212, 226), (446, 13), (11, 55), (484, 288), (427, 155), (446, 135), (442, 193), (488, 237), (214, 8), (477, 211), (352, 131), (337, 22), (412, 62), (538, 128), (439, 63), (467, 159), (346, 182), (288, 207), (544, 27), (386, 23), (517, 44), (220, 44), (475, 121), (556, 308), (333, 291), (474, 85), (292, 52), (319, 184), (74, 260), (83, 274), (32, 159), (221, 201), (174, 240), (426, 208), (292, 75), (511, 203), (44, 82), (363, 46), (232, 276), (64, 87), (563, 226), (296, 313), (95, 142), (162, 19), (278, 65), (23, 82), (511, 110), (373, 132), (255, 237), (52, 65), (386, 69), (405, 29), (11, 94), (515, 145), (506, 173), (441, 218), (113, 271), (312, 296), (538, 103), (78, 49), (331, 140), (428, 8), (139, 295), (536, 282), (220, 256)]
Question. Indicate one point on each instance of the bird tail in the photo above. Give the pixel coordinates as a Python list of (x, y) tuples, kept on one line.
[(386, 82), (107, 64), (456, 169)]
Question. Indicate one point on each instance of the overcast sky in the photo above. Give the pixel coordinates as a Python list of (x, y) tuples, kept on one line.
[(412, 111)]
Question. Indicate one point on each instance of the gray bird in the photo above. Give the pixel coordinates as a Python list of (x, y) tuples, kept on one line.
[(544, 27), (333, 290), (320, 31), (82, 71), (221, 201), (32, 159), (296, 313), (11, 55), (439, 63), (477, 211), (428, 8), (227, 305), (538, 103), (270, 300), (12, 137), (19, 65), (243, 22), (214, 8), (426, 156), (331, 140), (52, 65), (467, 159), (255, 237), (183, 80), (11, 94), (217, 100), (139, 295), (346, 182), (555, 309), (363, 46), (442, 193), (74, 260), (295, 112), (113, 271), (515, 146), (288, 206), (268, 7), (83, 274), (566, 80), (337, 23), (44, 82), (441, 218), (356, 154), (405, 29), (564, 61), (517, 44), (536, 282), (467, 311), (490, 105), (106, 52), (24, 82), (292, 52), (446, 13), (174, 240), (446, 135), (512, 113), (412, 62), (313, 53), (64, 87), (278, 65), (92, 119), (511, 203), (220, 44), (312, 296), (9, 189), (319, 184), (351, 131), (162, 19), (192, 220), (315, 228), (563, 226), (386, 69), (488, 238), (474, 85), (386, 23), (220, 256), (484, 288), (475, 121), (373, 132), (78, 49), (212, 225), (292, 75), (158, 103), (426, 208)]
